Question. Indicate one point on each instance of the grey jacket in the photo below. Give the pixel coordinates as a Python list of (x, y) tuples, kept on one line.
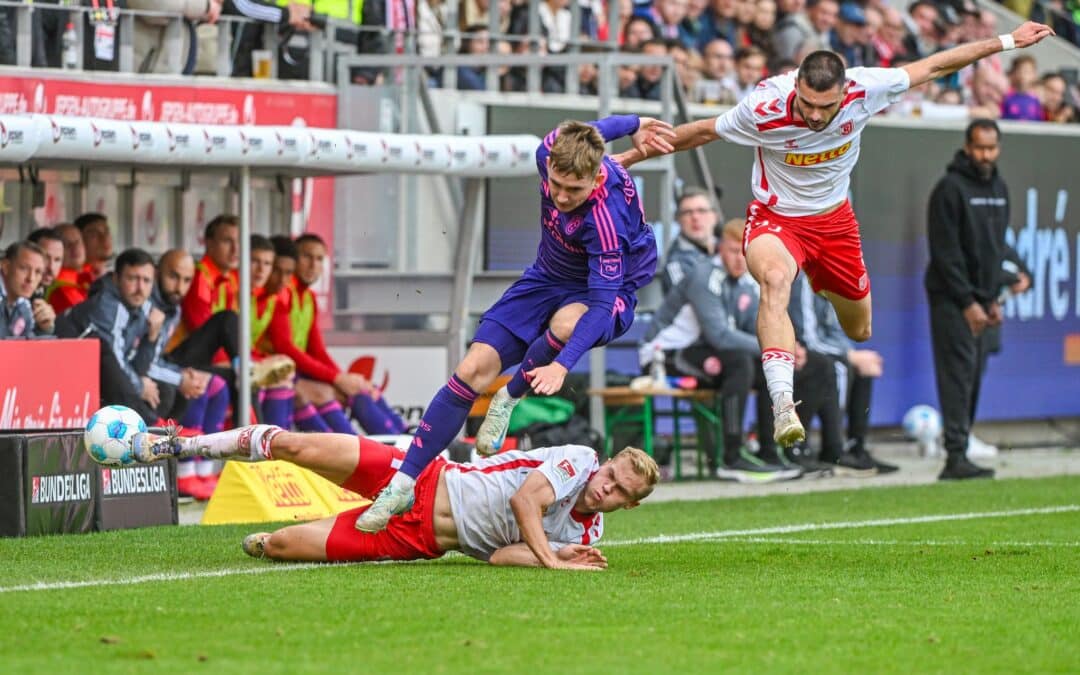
[(816, 324), (725, 308), (162, 369), (122, 328), (17, 319), (684, 256)]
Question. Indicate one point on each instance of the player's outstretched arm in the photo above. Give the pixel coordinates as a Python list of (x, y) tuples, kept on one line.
[(686, 136), (528, 504), (952, 60), (520, 555)]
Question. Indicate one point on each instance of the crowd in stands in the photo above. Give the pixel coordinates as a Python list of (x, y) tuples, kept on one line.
[(168, 330), (721, 48)]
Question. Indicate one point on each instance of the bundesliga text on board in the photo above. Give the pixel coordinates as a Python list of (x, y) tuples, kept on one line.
[(135, 480), (60, 488)]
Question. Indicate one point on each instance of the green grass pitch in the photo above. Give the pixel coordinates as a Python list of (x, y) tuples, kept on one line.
[(799, 583)]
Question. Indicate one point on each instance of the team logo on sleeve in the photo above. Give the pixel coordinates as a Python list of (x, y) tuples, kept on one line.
[(566, 470), (611, 265)]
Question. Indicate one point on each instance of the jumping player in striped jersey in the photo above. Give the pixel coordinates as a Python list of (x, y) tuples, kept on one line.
[(805, 128), (595, 251), (541, 508)]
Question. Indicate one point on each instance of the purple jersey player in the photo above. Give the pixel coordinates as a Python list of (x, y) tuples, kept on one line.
[(595, 252)]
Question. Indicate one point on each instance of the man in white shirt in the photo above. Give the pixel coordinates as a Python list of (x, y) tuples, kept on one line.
[(542, 508), (805, 127)]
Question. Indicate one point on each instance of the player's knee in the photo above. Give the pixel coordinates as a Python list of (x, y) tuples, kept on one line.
[(776, 280)]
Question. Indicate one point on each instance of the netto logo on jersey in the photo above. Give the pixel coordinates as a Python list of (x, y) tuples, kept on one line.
[(135, 480), (812, 158), (60, 488)]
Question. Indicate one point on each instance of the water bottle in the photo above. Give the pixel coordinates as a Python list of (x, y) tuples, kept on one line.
[(659, 371), (71, 47)]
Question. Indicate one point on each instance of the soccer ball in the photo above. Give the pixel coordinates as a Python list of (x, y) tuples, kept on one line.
[(922, 424), (108, 432)]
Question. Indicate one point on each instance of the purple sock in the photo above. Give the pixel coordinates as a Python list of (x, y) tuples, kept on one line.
[(307, 419), (397, 424), (335, 418), (277, 406), (375, 416), (541, 352), (442, 420), (196, 412), (217, 405)]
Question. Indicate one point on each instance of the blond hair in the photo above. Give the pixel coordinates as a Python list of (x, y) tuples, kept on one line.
[(577, 150), (733, 229), (643, 465)]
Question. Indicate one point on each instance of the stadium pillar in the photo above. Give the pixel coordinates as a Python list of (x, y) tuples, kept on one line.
[(243, 387)]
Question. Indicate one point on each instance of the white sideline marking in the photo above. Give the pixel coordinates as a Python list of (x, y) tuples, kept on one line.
[(845, 525), (900, 542), (662, 539)]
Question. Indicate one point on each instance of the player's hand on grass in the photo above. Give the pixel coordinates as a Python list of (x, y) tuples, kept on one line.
[(1031, 33), (655, 134), (547, 379), (581, 554), (976, 318)]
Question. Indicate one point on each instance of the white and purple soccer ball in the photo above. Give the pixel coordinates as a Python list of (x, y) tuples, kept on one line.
[(922, 424), (108, 432)]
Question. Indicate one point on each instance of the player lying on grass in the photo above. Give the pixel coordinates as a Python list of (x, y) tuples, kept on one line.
[(539, 508)]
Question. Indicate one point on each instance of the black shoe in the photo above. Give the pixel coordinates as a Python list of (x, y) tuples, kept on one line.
[(746, 470), (848, 464), (882, 467), (959, 467), (801, 455)]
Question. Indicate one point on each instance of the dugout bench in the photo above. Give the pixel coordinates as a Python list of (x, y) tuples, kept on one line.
[(637, 408)]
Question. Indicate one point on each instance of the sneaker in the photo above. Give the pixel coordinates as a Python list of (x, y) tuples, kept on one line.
[(961, 468), (149, 447), (980, 449), (492, 433), (860, 452), (272, 371), (194, 487), (743, 470), (390, 502), (255, 544), (855, 466), (787, 427), (801, 455)]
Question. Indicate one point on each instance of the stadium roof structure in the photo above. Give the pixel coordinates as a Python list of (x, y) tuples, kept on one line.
[(51, 141)]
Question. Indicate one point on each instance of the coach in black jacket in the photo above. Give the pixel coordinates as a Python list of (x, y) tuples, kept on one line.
[(970, 268)]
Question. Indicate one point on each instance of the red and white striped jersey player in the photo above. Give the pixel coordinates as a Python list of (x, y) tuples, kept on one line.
[(540, 508), (805, 129)]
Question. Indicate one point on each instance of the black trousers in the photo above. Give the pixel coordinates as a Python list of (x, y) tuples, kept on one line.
[(815, 385), (116, 388), (959, 364), (732, 373), (221, 331)]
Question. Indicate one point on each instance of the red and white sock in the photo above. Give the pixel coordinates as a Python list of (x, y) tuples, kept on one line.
[(251, 442), (779, 367)]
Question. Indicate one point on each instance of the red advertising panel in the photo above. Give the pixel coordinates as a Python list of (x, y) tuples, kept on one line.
[(48, 384), (174, 100)]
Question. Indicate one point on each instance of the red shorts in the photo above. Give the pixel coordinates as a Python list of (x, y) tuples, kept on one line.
[(826, 246), (409, 536)]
